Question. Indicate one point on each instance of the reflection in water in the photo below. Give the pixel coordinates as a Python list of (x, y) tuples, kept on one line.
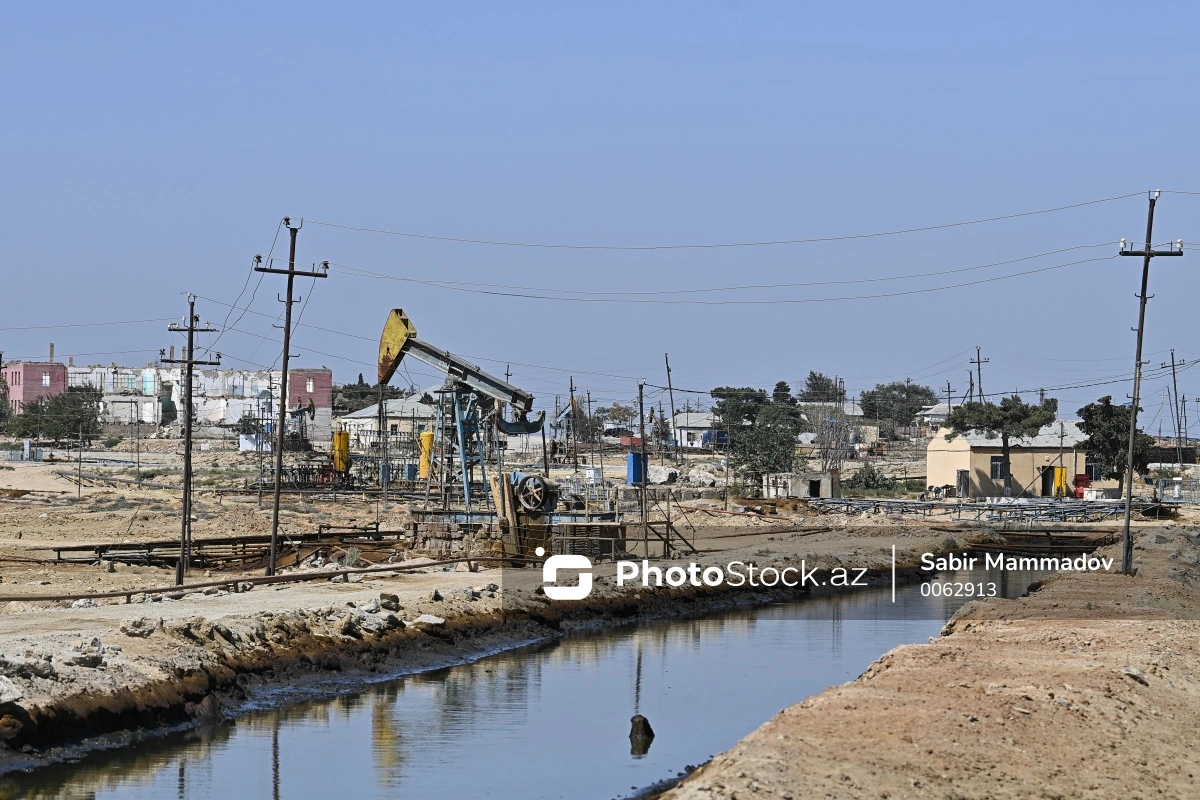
[(546, 721)]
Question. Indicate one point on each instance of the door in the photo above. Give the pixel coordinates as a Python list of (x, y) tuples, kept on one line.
[(1047, 481), (963, 483)]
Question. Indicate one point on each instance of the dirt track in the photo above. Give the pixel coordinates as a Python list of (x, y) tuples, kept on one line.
[(1065, 693)]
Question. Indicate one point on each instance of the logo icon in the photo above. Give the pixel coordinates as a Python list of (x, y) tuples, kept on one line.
[(550, 575)]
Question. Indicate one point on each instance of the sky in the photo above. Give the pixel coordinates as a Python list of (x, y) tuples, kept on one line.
[(151, 150)]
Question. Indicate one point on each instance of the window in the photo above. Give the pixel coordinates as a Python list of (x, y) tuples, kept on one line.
[(998, 468), (394, 429), (45, 379), (308, 385), (1094, 470), (129, 382)]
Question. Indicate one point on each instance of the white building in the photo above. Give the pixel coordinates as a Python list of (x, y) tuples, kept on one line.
[(694, 429)]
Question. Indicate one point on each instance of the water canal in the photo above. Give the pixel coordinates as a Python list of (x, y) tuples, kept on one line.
[(544, 721)]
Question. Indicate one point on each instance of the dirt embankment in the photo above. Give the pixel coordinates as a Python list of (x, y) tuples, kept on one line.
[(68, 673), (1087, 688)]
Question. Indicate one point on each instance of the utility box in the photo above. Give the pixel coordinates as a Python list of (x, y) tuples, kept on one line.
[(635, 471)]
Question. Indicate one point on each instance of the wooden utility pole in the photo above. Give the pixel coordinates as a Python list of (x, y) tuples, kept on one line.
[(1176, 410), (1147, 252), (573, 431), (949, 399), (645, 466), (291, 273), (189, 361), (671, 395), (979, 361)]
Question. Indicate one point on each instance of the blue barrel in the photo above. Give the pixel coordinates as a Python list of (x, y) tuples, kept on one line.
[(410, 472), (636, 468)]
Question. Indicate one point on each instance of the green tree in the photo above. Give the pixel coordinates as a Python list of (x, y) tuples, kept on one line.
[(620, 416), (898, 401), (248, 425), (5, 410), (820, 388), (1107, 429), (761, 431), (782, 393), (769, 445), (356, 396), (74, 414), (1011, 419)]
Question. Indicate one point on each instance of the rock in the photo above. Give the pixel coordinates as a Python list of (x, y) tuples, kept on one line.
[(430, 621), (89, 660), (640, 735), (32, 667), (371, 607), (84, 603), (139, 628), (347, 626), (1158, 538), (1135, 674), (700, 477), (10, 726), (435, 596), (355, 577), (244, 586), (491, 587), (9, 692), (389, 602), (658, 474), (392, 621), (211, 590), (470, 594)]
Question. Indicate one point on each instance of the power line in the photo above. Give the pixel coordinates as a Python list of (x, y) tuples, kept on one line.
[(85, 324), (718, 245), (714, 289), (779, 301)]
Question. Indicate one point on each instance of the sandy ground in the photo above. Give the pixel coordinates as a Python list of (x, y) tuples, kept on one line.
[(1057, 695), (1006, 704)]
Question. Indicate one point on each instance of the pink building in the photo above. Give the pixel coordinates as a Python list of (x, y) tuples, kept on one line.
[(31, 380), (315, 385)]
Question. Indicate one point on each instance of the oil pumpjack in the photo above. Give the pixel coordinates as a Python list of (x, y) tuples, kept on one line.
[(470, 414)]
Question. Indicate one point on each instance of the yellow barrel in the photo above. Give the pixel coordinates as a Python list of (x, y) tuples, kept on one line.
[(426, 452), (340, 451)]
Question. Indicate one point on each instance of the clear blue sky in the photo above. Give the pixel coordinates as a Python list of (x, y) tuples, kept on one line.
[(151, 149)]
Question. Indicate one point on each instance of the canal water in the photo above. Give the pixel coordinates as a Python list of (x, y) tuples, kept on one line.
[(545, 721)]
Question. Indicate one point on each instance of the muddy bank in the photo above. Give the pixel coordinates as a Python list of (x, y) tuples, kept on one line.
[(87, 672), (1089, 687)]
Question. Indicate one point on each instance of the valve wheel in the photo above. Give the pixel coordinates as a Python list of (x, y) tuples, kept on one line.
[(532, 492)]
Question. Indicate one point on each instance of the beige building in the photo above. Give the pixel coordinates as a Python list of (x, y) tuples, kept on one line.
[(974, 464)]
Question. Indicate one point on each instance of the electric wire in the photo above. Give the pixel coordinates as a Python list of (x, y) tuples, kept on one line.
[(776, 301), (719, 245)]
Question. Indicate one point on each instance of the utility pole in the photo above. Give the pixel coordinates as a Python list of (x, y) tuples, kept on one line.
[(291, 273), (645, 466), (1147, 252), (1183, 410), (970, 386), (671, 394), (573, 430), (189, 361), (1176, 412), (949, 399), (979, 361)]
